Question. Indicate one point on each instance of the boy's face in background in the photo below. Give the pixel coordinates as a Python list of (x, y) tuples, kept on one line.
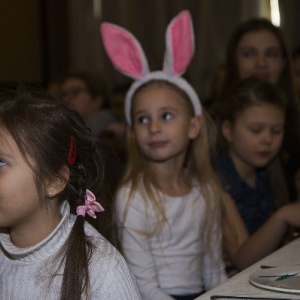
[(75, 91)]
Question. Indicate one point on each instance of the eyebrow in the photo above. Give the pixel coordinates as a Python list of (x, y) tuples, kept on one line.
[(161, 108), (254, 47)]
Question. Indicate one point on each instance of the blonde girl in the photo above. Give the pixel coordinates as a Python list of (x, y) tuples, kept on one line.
[(167, 206)]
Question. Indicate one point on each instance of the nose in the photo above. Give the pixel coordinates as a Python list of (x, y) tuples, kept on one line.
[(261, 61), (268, 137), (154, 126)]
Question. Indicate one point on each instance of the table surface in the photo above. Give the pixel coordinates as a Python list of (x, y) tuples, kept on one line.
[(239, 285)]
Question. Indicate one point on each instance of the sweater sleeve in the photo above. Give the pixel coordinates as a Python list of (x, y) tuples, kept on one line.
[(136, 246)]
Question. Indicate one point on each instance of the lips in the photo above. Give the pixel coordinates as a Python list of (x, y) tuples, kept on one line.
[(264, 154), (263, 76), (157, 144)]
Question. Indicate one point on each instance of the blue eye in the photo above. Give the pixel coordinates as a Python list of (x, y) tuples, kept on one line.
[(2, 163)]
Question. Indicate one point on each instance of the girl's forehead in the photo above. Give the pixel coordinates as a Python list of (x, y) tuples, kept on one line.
[(258, 36), (159, 101), (158, 94), (10, 148), (7, 145), (260, 110)]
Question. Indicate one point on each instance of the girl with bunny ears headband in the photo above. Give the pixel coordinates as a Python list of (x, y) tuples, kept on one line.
[(167, 205)]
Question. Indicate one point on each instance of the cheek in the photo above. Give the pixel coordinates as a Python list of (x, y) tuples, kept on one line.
[(278, 142), (276, 75), (278, 67), (138, 135), (244, 68), (245, 141)]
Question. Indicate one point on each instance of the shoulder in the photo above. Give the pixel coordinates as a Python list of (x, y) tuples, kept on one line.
[(104, 253), (109, 272)]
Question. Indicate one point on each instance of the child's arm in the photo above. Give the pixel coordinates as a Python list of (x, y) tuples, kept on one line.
[(137, 249), (244, 250), (234, 229)]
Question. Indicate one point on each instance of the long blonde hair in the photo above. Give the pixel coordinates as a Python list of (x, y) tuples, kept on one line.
[(197, 164)]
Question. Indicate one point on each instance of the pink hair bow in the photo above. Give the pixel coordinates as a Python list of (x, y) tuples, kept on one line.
[(91, 206)]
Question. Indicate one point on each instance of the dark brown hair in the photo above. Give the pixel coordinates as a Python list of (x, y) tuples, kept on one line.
[(253, 25), (286, 80), (42, 128), (248, 92)]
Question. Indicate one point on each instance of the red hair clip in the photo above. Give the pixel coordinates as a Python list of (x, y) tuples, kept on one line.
[(72, 151)]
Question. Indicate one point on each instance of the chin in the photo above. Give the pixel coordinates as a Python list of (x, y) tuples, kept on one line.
[(262, 164)]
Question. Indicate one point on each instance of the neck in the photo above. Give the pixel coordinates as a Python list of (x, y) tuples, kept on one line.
[(172, 179), (245, 171), (30, 234)]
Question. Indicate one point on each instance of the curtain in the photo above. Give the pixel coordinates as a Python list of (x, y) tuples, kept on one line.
[(213, 22)]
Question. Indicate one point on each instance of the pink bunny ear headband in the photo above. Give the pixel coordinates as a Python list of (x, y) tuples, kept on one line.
[(128, 57)]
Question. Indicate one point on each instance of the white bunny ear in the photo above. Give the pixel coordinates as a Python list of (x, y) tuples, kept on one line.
[(124, 51), (179, 44)]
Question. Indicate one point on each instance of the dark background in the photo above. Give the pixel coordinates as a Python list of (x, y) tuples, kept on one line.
[(40, 40)]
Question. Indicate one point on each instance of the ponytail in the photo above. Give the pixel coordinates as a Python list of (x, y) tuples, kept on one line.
[(77, 255)]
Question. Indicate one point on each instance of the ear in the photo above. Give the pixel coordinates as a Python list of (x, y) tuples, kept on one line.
[(195, 127), (56, 185), (226, 130)]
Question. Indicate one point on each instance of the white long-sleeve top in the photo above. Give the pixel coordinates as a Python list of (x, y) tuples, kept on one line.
[(175, 262), (25, 272)]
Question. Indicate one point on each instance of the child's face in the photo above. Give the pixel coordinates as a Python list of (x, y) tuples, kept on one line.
[(75, 91), (20, 207), (255, 137), (162, 123), (259, 53)]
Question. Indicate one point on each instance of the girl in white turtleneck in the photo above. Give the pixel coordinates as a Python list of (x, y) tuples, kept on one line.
[(49, 166)]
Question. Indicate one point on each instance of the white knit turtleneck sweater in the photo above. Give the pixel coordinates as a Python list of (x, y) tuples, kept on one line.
[(25, 273)]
